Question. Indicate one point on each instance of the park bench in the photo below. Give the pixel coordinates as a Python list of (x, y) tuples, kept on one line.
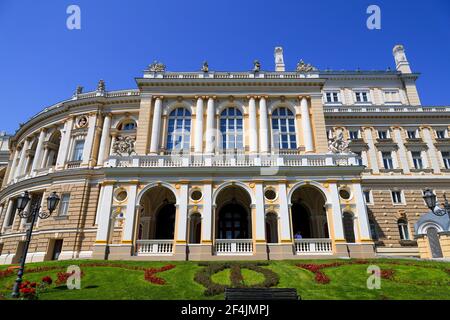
[(261, 294)]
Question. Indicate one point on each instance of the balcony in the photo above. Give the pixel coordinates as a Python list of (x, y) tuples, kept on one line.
[(232, 160), (234, 247), (154, 247), (313, 246)]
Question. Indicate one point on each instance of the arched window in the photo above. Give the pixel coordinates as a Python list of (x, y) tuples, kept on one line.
[(283, 127), (127, 125), (231, 129), (179, 130), (403, 228)]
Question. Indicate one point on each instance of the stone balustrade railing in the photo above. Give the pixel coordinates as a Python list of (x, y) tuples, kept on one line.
[(313, 246), (239, 160), (383, 109)]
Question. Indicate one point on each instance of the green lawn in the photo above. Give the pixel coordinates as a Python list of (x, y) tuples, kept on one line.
[(421, 280)]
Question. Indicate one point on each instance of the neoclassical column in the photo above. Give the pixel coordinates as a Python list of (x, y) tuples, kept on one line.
[(105, 139), (253, 125), (130, 215), (372, 152), (65, 142), (8, 214), (260, 217), (432, 152), (14, 165), (89, 143), (38, 155), (23, 156), (335, 205), (198, 142), (104, 214), (363, 218), (263, 126), (402, 152), (182, 213), (207, 215), (285, 225), (306, 125), (210, 126), (156, 126)]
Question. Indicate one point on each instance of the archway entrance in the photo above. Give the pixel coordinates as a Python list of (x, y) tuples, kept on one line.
[(309, 219), (233, 218), (157, 216)]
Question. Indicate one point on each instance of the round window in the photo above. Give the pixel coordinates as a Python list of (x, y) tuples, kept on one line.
[(121, 195), (344, 194), (270, 194), (196, 195)]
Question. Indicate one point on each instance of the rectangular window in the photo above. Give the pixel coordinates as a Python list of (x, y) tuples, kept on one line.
[(359, 158), (412, 134), (332, 97), (397, 197), (354, 134), (382, 134), (362, 96), (391, 96), (446, 159), (78, 150), (387, 160), (64, 205), (440, 134), (417, 159), (373, 230), (403, 229), (368, 196)]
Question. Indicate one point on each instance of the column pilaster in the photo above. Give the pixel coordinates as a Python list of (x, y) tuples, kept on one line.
[(38, 155), (253, 130), (210, 126), (198, 142), (105, 139), (156, 126), (306, 125), (263, 125)]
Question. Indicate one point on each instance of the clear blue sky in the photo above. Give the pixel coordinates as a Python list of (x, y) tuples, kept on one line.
[(42, 62)]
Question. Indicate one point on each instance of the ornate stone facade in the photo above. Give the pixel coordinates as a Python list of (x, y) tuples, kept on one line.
[(234, 165)]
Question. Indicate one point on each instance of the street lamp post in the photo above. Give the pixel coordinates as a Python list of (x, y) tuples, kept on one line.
[(22, 202), (431, 200)]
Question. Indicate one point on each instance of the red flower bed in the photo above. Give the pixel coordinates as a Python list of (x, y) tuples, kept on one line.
[(63, 276), (322, 278), (387, 274), (6, 273), (150, 274), (47, 280)]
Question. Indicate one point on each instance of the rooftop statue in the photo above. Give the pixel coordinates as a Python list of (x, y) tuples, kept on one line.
[(79, 90), (157, 67), (303, 67), (101, 87), (338, 144), (205, 67), (256, 66)]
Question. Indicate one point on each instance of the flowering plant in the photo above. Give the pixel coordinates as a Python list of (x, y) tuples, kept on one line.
[(150, 274)]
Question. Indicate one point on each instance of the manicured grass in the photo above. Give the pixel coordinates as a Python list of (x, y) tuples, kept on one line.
[(222, 277), (421, 280)]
